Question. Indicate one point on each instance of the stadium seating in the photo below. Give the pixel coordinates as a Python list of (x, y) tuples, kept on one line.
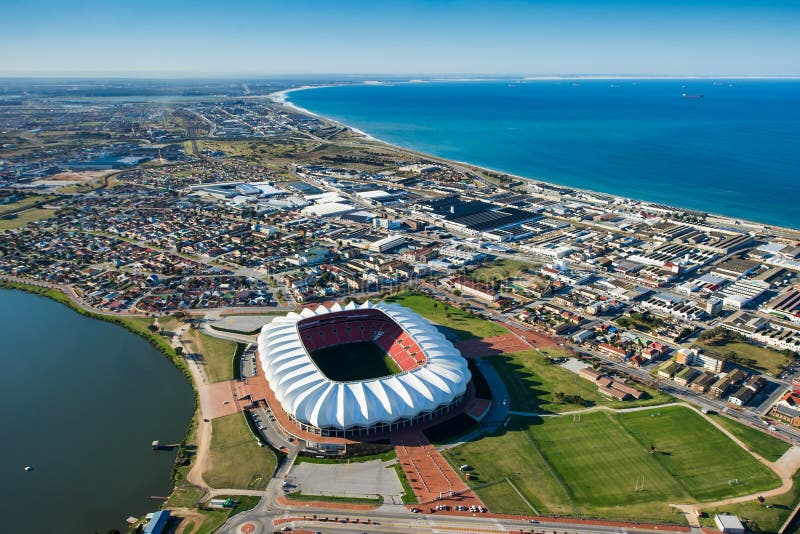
[(349, 327)]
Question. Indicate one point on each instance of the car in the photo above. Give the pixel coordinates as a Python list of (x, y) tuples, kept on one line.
[(415, 510), (286, 529)]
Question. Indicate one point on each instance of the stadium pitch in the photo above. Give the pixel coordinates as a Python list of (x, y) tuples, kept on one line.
[(355, 361)]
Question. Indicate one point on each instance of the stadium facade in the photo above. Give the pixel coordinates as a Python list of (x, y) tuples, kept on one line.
[(432, 380)]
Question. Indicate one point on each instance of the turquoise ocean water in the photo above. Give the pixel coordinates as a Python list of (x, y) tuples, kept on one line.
[(735, 151)]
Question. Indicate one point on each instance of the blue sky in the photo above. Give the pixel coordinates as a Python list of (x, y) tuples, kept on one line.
[(180, 37)]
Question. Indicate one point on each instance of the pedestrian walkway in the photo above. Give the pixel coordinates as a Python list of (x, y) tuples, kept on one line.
[(432, 479), (491, 346)]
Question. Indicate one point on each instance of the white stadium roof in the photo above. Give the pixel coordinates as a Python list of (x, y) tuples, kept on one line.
[(314, 399)]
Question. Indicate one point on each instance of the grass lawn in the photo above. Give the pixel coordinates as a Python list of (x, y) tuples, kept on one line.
[(25, 202), (503, 493), (408, 496), (702, 459), (217, 354), (187, 147), (459, 323), (139, 325), (511, 454), (532, 383), (244, 502), (184, 496), (760, 518), (297, 496), (600, 466), (767, 446), (639, 321), (355, 361), (25, 217), (236, 460), (762, 359), (500, 269), (213, 520)]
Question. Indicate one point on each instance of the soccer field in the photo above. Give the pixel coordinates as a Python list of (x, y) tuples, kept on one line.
[(598, 464), (354, 361)]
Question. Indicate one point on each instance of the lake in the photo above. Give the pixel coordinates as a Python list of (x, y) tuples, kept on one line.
[(81, 400)]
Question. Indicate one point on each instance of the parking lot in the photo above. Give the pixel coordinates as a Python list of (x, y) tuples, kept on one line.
[(248, 362), (363, 479)]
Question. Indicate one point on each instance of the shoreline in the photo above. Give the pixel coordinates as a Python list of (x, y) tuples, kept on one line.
[(153, 339), (282, 98)]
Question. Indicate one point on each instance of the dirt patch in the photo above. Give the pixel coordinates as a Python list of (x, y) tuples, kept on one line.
[(491, 346), (188, 520)]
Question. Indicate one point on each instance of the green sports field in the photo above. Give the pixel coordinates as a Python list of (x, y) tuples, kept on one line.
[(354, 361), (598, 464)]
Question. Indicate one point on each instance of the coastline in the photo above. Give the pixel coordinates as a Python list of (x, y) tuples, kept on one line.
[(282, 98)]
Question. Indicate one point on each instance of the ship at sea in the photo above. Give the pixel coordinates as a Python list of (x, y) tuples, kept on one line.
[(687, 95)]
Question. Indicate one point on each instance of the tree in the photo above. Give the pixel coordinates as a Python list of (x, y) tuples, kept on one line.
[(732, 356)]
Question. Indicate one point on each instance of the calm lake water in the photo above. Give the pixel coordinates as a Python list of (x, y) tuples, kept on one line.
[(80, 401)]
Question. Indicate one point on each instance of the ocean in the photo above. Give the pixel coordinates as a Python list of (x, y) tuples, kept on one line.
[(734, 151)]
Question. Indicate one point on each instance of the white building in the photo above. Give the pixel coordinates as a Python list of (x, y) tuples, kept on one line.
[(729, 524), (387, 243), (742, 292)]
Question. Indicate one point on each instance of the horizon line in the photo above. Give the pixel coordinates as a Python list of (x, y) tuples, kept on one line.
[(188, 75)]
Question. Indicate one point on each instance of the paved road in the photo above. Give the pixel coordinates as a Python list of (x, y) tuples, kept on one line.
[(397, 519)]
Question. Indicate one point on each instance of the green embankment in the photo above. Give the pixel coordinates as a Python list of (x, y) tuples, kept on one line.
[(771, 448), (236, 460), (534, 383), (462, 324)]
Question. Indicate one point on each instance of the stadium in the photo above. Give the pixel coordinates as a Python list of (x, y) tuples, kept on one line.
[(360, 370)]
